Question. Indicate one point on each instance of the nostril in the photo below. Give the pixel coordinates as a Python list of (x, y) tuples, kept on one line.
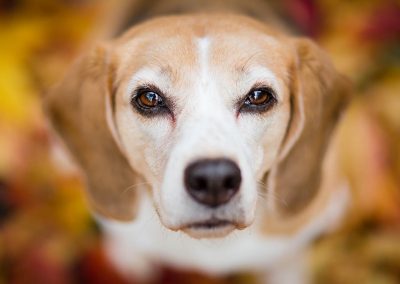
[(199, 183), (213, 181), (230, 182)]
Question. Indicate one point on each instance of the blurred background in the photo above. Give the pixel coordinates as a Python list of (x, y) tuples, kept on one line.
[(46, 232)]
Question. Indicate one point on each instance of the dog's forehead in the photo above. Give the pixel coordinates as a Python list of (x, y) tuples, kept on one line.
[(175, 45)]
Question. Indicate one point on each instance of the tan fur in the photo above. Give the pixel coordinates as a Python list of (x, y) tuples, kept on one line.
[(76, 107), (317, 95)]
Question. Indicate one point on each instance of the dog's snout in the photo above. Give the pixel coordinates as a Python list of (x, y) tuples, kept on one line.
[(212, 182)]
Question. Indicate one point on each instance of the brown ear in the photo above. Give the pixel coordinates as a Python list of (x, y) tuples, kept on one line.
[(77, 109), (318, 95)]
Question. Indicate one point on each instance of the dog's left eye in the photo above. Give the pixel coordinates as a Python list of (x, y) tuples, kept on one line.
[(259, 99)]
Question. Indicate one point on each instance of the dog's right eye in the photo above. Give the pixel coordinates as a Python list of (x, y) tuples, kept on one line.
[(148, 101)]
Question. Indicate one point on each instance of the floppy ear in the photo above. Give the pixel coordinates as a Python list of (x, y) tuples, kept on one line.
[(77, 109), (318, 95)]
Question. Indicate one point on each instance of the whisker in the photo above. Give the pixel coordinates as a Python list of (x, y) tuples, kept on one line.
[(267, 193), (134, 186), (262, 196), (262, 184)]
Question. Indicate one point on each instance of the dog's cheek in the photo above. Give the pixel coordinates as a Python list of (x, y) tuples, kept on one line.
[(157, 143), (143, 142), (253, 131), (258, 160)]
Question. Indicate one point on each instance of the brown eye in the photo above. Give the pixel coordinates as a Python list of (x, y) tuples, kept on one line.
[(260, 99), (149, 99)]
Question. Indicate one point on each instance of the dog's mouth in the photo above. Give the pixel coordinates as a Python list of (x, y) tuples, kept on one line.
[(210, 224), (212, 228)]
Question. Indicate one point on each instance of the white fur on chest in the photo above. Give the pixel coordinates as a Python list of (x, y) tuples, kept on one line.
[(134, 246)]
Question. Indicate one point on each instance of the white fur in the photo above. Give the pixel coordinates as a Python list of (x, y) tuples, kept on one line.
[(206, 123), (204, 82), (206, 126), (145, 242), (203, 45)]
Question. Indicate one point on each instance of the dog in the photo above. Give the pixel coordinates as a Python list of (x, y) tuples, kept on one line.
[(208, 141)]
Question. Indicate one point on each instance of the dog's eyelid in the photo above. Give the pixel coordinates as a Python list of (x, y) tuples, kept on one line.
[(267, 83), (165, 106), (149, 88), (258, 86), (263, 86), (244, 106)]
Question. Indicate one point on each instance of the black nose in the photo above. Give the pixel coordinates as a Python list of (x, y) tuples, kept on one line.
[(212, 182)]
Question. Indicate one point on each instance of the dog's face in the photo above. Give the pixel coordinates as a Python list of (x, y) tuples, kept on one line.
[(201, 115), (201, 108)]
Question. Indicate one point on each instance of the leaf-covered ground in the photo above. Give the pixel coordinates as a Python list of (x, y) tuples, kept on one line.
[(46, 232)]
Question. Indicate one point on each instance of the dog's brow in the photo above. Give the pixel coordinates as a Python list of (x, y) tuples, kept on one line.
[(151, 75), (258, 75), (245, 64), (167, 70), (163, 68)]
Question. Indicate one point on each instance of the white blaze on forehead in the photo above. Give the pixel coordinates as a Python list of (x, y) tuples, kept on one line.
[(203, 47)]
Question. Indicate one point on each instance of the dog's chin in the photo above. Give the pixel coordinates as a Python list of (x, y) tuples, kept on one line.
[(209, 229)]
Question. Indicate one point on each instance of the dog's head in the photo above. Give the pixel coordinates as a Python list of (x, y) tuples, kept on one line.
[(204, 111)]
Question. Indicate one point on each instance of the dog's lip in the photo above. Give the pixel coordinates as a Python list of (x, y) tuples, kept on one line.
[(210, 224), (210, 228)]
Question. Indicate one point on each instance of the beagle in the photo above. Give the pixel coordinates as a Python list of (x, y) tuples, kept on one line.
[(208, 142)]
